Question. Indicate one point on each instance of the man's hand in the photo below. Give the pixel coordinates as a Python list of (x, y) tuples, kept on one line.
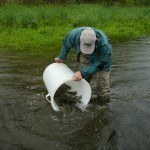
[(77, 76), (58, 60)]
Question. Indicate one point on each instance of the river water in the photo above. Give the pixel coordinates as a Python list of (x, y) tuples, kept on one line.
[(27, 121)]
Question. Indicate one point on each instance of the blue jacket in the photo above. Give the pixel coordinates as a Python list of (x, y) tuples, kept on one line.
[(99, 60)]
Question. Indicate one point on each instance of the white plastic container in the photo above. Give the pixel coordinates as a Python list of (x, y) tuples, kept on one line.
[(58, 74)]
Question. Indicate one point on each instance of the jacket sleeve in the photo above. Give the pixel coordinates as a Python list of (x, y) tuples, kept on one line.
[(97, 63), (67, 44)]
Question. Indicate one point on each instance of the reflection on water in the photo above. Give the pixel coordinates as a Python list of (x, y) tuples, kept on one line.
[(27, 120), (130, 94)]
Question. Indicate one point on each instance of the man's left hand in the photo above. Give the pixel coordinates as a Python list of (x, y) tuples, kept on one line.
[(77, 76)]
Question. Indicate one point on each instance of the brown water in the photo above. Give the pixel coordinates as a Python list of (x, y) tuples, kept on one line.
[(27, 121)]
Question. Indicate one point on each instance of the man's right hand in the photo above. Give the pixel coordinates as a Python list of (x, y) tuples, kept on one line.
[(58, 60)]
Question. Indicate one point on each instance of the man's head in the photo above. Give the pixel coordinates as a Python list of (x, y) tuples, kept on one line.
[(87, 41)]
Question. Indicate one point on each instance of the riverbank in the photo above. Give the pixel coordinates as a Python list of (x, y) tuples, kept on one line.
[(42, 28)]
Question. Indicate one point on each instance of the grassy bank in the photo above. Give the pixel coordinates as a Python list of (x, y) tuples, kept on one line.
[(42, 27)]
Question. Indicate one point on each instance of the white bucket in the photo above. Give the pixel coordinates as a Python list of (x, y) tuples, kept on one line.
[(58, 74)]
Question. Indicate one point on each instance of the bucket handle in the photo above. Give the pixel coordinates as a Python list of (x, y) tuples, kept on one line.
[(54, 105), (47, 98)]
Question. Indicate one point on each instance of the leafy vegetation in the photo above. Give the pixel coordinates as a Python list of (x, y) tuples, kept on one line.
[(43, 27)]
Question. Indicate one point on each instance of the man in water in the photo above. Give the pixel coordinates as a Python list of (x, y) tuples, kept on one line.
[(94, 52)]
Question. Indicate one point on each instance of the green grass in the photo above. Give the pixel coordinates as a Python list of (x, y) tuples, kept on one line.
[(42, 28)]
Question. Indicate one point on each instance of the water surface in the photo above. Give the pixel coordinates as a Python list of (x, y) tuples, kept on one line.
[(130, 94), (27, 120)]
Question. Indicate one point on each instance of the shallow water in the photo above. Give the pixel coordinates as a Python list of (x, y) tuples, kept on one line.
[(27, 120), (130, 94)]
